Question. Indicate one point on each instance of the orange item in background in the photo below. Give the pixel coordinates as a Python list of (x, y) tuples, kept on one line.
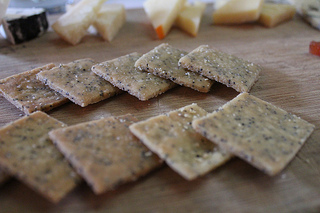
[(314, 48)]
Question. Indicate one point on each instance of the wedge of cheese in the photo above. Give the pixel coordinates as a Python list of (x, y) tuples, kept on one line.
[(23, 24), (275, 14), (163, 14), (237, 11), (3, 7), (189, 18), (73, 25), (110, 19)]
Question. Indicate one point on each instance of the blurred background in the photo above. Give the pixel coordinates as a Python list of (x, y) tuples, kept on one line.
[(56, 6)]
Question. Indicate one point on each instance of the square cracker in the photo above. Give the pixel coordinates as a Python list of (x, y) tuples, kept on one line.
[(76, 82), (27, 153), (222, 67), (174, 140), (121, 73), (163, 61), (29, 94), (105, 152), (260, 133)]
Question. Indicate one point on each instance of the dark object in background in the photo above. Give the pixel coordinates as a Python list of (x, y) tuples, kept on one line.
[(23, 24)]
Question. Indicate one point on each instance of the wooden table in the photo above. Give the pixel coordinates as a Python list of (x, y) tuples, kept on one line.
[(290, 80)]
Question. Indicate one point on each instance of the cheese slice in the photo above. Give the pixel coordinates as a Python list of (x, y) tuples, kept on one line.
[(237, 11), (190, 18), (163, 14), (23, 24), (110, 19), (73, 25), (274, 14), (3, 7), (309, 10)]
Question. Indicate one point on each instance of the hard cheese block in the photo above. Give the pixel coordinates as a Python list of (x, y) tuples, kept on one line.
[(237, 11), (274, 14), (109, 20), (27, 153), (172, 137), (73, 25), (23, 24), (163, 14), (256, 131), (189, 18), (309, 10), (105, 152)]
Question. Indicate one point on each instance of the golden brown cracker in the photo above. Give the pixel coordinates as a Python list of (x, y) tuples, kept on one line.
[(163, 61), (76, 82), (174, 140), (105, 152), (219, 66), (27, 153), (260, 133), (121, 73), (29, 94)]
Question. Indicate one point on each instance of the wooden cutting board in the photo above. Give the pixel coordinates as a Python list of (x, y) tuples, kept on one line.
[(290, 79)]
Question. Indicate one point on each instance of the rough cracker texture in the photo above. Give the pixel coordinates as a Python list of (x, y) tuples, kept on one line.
[(163, 61), (174, 140), (260, 133), (27, 153), (121, 73), (29, 94), (76, 82), (104, 152), (227, 69)]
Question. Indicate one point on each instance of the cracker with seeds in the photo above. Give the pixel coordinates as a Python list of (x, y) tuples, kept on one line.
[(163, 61), (27, 153), (260, 133), (219, 66), (29, 94), (76, 82), (121, 73), (174, 140), (104, 152)]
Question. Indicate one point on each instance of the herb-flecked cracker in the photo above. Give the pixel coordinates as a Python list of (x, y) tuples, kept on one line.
[(260, 133), (163, 61), (27, 153), (121, 73), (29, 94), (76, 82), (222, 67), (105, 152), (174, 140)]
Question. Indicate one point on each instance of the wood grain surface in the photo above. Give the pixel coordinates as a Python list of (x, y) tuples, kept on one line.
[(290, 79)]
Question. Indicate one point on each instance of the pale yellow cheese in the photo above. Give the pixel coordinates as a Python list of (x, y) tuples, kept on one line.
[(73, 25), (237, 11), (189, 18), (163, 14), (110, 19), (274, 14)]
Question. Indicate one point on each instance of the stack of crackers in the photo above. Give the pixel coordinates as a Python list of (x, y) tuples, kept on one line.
[(52, 158)]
